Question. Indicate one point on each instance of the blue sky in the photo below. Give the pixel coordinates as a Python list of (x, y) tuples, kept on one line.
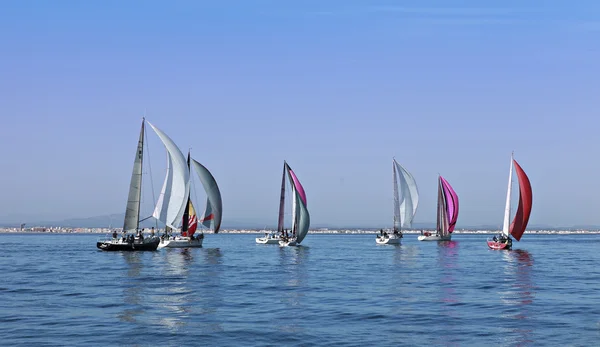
[(337, 88)]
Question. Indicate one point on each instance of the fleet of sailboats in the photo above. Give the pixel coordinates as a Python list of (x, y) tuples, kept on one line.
[(273, 238), (405, 205), (447, 213), (174, 207), (519, 223)]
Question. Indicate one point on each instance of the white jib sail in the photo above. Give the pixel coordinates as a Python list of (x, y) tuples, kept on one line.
[(176, 188), (409, 199)]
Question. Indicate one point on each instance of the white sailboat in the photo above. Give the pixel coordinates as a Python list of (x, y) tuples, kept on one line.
[(168, 207), (273, 238), (405, 206), (300, 216), (189, 219), (503, 241), (447, 213), (270, 238)]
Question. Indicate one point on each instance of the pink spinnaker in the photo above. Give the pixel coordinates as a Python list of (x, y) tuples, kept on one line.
[(451, 204)]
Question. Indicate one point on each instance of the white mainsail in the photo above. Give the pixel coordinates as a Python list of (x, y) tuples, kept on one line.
[(132, 211), (409, 200), (397, 219), (176, 188), (506, 224)]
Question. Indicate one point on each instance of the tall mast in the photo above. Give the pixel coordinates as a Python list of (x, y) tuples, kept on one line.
[(506, 224), (282, 199)]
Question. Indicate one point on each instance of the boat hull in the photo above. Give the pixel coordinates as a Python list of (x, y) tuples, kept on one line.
[(498, 246), (388, 240), (268, 240), (113, 245), (181, 242), (289, 243), (434, 238)]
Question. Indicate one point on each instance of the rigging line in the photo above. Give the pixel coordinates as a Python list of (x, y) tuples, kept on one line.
[(151, 180)]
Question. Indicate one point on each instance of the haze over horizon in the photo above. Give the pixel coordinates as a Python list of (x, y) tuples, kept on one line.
[(337, 88)]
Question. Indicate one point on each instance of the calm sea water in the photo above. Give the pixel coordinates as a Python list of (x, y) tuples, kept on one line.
[(337, 290)]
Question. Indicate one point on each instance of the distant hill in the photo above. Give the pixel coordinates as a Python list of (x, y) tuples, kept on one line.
[(116, 220)]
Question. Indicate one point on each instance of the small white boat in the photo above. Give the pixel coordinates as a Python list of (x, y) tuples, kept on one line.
[(269, 239), (386, 239), (181, 242), (447, 213), (434, 237)]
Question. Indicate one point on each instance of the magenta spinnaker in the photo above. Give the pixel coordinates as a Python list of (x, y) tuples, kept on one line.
[(451, 204), (298, 186)]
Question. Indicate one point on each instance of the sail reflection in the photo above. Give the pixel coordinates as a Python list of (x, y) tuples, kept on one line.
[(209, 297), (520, 292), (405, 255), (175, 295), (180, 300), (293, 281), (447, 262), (405, 261), (132, 291)]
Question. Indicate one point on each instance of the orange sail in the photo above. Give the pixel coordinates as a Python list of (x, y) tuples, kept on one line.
[(519, 223)]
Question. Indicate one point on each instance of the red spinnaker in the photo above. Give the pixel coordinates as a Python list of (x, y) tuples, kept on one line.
[(519, 223)]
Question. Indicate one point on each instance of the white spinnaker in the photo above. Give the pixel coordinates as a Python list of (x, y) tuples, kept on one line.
[(214, 203), (176, 188), (409, 200)]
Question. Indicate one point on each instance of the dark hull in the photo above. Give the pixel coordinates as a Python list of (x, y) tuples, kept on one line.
[(115, 246)]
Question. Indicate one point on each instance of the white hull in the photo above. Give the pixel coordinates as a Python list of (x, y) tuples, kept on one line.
[(181, 242), (389, 240), (268, 240), (434, 238)]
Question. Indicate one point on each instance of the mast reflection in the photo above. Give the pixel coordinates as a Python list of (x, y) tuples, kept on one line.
[(519, 294)]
